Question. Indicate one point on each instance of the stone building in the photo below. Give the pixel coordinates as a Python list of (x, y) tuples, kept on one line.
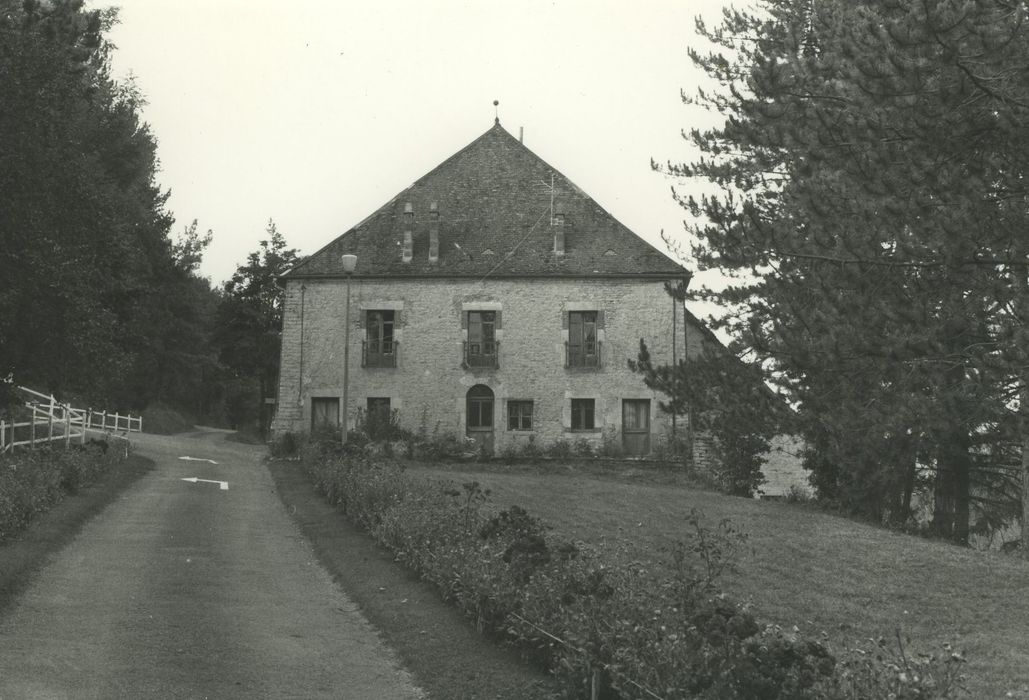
[(491, 299)]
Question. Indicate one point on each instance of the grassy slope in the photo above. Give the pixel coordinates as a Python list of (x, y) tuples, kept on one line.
[(816, 571)]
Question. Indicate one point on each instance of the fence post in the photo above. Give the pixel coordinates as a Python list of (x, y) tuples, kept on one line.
[(67, 426), (103, 420), (595, 684), (3, 437), (32, 431), (50, 424)]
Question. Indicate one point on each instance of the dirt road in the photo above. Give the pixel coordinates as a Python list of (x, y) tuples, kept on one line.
[(193, 589)]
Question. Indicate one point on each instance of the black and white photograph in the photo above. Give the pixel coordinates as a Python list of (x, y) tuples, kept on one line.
[(535, 350)]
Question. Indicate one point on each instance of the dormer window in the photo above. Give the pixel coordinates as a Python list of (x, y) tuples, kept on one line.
[(433, 232), (408, 251)]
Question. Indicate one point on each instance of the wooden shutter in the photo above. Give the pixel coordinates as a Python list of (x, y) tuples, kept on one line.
[(574, 329)]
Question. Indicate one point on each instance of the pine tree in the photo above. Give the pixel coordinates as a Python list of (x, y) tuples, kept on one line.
[(872, 213)]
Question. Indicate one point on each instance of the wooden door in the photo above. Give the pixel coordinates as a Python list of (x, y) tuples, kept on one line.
[(479, 416), (636, 427)]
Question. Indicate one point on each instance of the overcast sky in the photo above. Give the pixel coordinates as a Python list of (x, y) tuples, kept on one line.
[(314, 113)]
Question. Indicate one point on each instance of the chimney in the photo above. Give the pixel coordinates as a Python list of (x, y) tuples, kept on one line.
[(521, 132), (433, 232), (558, 223), (408, 253)]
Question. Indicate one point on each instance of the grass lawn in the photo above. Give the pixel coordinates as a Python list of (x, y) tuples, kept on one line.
[(816, 571)]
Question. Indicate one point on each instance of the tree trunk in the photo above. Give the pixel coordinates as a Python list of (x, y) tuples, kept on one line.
[(953, 482), (1024, 410), (1020, 281), (910, 475)]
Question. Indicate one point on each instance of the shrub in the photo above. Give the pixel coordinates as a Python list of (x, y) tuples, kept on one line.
[(630, 630), (584, 448), (560, 449), (284, 446), (33, 481), (611, 443)]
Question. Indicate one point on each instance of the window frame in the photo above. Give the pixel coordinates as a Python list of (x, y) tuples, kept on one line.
[(583, 338), (517, 415), (482, 404), (485, 332), (375, 350), (584, 415), (319, 403)]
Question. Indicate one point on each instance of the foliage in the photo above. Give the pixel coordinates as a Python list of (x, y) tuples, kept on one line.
[(162, 419), (33, 481), (96, 300), (284, 446), (728, 402), (249, 324), (635, 629), (380, 427), (870, 220), (882, 671)]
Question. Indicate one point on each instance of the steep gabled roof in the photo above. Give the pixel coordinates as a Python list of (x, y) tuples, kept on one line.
[(494, 200)]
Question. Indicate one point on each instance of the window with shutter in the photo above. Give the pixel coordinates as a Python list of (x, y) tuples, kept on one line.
[(583, 348), (380, 346), (481, 346)]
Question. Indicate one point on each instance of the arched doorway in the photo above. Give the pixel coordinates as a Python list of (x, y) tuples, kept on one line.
[(479, 416)]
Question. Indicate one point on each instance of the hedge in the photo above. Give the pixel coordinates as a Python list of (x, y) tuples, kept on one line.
[(620, 630)]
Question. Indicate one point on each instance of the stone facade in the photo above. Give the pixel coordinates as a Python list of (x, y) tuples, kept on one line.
[(493, 281), (430, 383)]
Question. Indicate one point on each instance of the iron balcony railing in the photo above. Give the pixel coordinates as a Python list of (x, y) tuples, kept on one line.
[(379, 353), (483, 353), (583, 355)]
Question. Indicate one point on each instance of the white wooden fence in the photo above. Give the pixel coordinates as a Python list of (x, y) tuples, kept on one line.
[(53, 421)]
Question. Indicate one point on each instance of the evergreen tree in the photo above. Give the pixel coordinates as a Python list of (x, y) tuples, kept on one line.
[(250, 326), (96, 301), (872, 218)]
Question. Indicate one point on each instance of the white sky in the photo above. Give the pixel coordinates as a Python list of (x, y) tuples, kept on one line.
[(314, 113)]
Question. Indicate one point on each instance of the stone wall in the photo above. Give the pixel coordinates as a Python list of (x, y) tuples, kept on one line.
[(429, 385)]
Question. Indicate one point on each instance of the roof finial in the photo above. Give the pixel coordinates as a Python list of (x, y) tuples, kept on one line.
[(496, 112)]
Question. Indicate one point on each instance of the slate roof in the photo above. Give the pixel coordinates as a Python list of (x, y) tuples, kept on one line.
[(494, 203)]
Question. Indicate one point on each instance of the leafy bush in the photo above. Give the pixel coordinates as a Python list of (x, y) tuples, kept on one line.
[(33, 481), (584, 448), (560, 449), (381, 427), (284, 446), (628, 630)]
